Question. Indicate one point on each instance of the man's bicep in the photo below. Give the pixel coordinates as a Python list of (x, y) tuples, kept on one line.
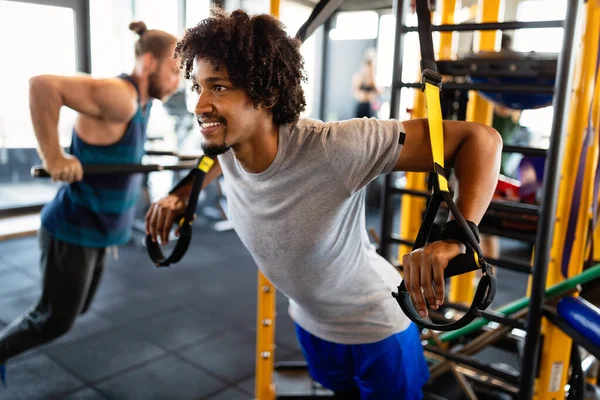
[(416, 156)]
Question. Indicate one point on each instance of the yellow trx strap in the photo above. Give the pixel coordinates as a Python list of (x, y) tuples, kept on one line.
[(472, 260), (436, 132)]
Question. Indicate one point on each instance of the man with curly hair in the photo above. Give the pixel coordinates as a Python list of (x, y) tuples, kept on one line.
[(296, 196)]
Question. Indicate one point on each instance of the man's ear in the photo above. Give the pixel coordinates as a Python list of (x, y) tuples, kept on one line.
[(273, 100), (150, 62)]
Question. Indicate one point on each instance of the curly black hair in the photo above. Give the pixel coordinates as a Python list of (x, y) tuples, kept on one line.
[(258, 54)]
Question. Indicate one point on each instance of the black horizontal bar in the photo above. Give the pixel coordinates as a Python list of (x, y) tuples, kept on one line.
[(511, 265), (510, 221), (490, 26), (509, 377), (21, 210), (161, 153), (410, 192), (118, 169), (397, 239), (494, 65), (507, 233), (486, 87), (573, 333), (173, 154), (528, 151), (290, 365), (511, 206)]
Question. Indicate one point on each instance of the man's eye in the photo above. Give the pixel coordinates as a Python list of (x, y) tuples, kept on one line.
[(219, 88)]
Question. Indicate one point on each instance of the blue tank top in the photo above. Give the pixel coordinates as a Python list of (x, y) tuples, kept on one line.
[(99, 210)]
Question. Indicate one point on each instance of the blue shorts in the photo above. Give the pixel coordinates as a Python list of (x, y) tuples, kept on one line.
[(394, 368)]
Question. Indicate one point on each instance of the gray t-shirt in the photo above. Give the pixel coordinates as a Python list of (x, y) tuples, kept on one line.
[(303, 221)]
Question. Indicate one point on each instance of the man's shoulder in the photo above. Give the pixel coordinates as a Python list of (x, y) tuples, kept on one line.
[(304, 128), (308, 124), (128, 82)]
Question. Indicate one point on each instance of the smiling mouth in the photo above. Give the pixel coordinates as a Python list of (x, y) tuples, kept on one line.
[(209, 124)]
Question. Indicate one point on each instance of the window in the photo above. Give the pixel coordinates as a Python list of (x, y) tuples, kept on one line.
[(112, 41), (293, 16), (163, 15), (411, 69), (35, 52), (549, 40), (158, 14), (346, 24), (196, 11), (250, 6), (543, 39)]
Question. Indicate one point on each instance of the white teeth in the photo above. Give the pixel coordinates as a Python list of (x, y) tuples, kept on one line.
[(210, 124)]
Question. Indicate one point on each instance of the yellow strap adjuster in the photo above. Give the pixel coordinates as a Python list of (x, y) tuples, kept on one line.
[(206, 164)]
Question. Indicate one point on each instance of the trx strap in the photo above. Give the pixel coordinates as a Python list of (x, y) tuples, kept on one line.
[(197, 174), (462, 230), (320, 14)]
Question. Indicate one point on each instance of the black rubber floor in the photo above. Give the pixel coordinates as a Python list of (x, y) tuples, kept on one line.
[(186, 332)]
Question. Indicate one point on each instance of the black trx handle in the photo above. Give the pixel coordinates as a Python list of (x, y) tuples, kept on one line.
[(473, 259), (461, 264), (197, 174)]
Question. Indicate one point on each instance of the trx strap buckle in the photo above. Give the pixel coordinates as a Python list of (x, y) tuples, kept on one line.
[(184, 221), (432, 77), (473, 259)]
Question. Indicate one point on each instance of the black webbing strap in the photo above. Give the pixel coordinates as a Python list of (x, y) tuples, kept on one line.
[(473, 259), (320, 13), (425, 39), (197, 174)]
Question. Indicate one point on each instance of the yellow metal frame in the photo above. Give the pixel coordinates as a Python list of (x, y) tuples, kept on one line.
[(556, 351), (265, 340)]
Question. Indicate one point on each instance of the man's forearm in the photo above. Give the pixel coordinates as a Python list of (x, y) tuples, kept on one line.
[(477, 165), (44, 107)]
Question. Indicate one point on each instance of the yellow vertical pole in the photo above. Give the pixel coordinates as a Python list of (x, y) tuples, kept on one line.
[(265, 321), (479, 110), (265, 340), (447, 49), (274, 8), (556, 350), (412, 207)]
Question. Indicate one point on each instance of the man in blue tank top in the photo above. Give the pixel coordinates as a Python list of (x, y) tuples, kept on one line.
[(295, 191), (89, 213)]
